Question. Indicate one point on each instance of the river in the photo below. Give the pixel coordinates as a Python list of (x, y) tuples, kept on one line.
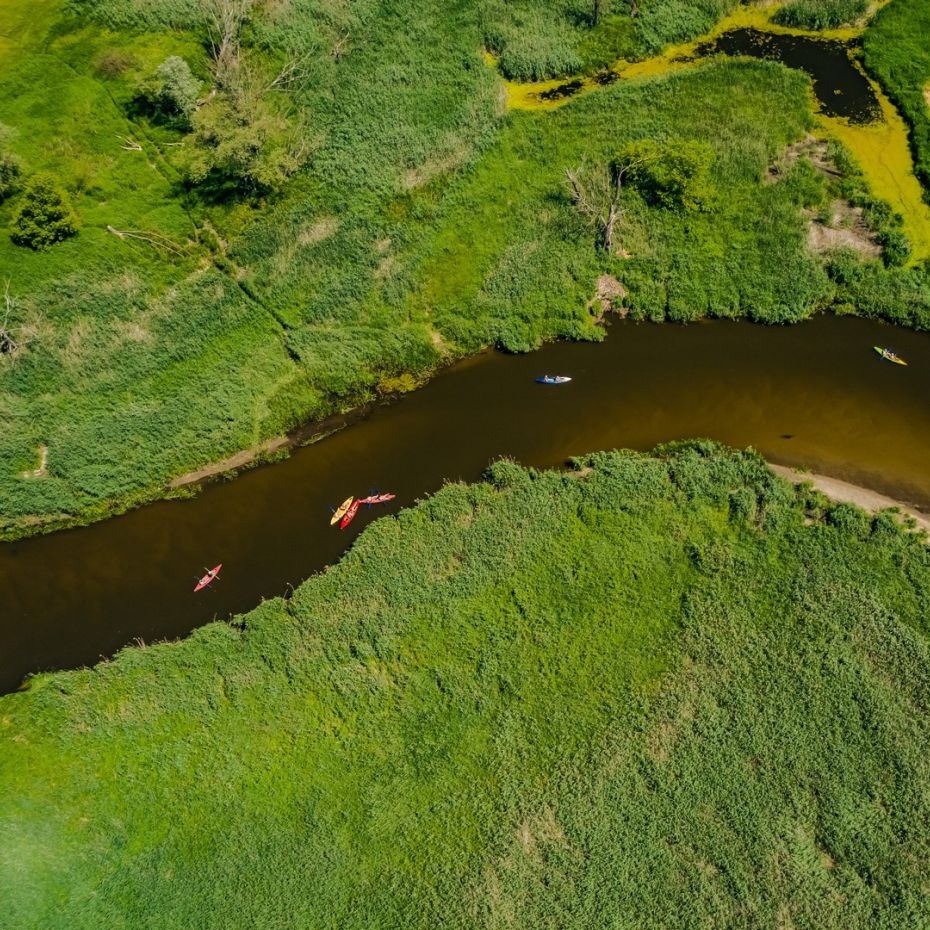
[(814, 394)]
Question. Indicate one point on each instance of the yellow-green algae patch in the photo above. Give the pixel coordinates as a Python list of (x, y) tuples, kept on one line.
[(531, 95), (880, 148), (882, 151)]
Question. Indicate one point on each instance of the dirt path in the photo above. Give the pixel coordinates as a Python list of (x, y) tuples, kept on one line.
[(42, 470), (233, 463), (843, 492)]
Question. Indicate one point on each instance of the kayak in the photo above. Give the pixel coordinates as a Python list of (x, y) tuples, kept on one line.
[(349, 515), (377, 499), (889, 356), (210, 575), (553, 379), (341, 510)]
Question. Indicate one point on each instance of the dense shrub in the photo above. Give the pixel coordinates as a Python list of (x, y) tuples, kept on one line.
[(820, 14), (661, 22), (9, 174), (536, 39), (896, 249), (673, 174), (141, 14), (44, 215), (241, 142), (174, 89)]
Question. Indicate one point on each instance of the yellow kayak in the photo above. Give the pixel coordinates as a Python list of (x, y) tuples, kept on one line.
[(889, 356), (341, 510)]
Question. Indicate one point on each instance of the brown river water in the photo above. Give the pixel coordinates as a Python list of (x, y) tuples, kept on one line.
[(814, 394)]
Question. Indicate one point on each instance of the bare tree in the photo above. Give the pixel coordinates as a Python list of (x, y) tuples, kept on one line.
[(225, 19), (13, 338), (598, 198)]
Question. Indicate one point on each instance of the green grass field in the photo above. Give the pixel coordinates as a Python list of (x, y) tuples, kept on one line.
[(428, 222), (670, 693)]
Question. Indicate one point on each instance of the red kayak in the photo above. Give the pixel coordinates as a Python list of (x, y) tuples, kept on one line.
[(350, 515), (210, 575), (377, 499)]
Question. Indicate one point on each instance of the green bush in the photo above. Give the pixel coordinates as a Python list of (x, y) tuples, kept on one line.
[(9, 174), (44, 216), (240, 142), (675, 175), (174, 89), (820, 14), (896, 249)]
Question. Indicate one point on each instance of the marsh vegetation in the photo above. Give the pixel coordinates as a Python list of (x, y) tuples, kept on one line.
[(671, 692), (281, 210)]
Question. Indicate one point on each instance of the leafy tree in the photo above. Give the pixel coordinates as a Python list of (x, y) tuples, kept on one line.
[(45, 215), (239, 138), (176, 90), (9, 165), (675, 175)]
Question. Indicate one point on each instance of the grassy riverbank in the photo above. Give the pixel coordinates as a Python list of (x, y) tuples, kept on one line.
[(671, 692), (401, 243), (898, 54)]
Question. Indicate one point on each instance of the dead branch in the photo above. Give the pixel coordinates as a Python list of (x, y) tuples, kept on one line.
[(157, 240), (8, 344), (292, 71), (601, 204), (129, 144), (13, 337), (340, 46), (581, 196)]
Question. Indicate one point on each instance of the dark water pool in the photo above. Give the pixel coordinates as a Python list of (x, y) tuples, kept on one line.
[(842, 89)]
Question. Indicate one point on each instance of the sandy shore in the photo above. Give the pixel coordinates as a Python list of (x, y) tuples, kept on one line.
[(846, 493)]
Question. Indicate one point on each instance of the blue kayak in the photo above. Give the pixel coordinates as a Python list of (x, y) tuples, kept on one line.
[(553, 379)]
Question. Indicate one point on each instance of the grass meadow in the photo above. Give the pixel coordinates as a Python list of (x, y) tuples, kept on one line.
[(671, 692), (429, 222)]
